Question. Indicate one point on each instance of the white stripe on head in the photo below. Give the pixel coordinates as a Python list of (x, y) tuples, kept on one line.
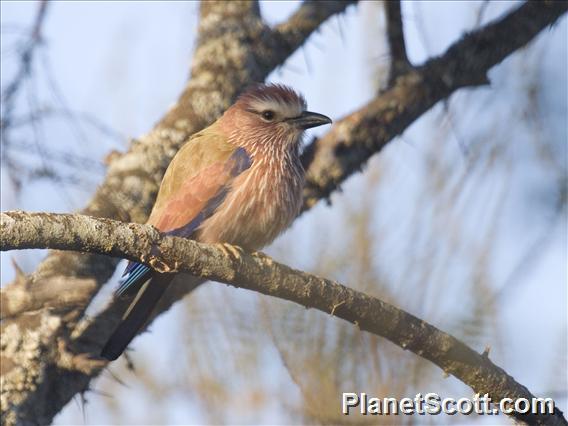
[(282, 100)]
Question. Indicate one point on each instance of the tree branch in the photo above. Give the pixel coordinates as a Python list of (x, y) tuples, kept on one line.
[(290, 35), (258, 272), (353, 140), (395, 39)]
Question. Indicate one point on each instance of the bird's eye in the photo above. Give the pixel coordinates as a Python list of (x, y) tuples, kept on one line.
[(268, 115)]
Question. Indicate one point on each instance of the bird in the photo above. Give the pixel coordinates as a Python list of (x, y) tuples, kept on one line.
[(238, 181)]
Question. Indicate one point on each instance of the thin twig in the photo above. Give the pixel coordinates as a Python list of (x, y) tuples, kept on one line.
[(395, 37)]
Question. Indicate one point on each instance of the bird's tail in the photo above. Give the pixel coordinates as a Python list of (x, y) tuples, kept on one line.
[(136, 315)]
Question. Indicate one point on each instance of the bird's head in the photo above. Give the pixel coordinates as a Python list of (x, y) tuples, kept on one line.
[(270, 116)]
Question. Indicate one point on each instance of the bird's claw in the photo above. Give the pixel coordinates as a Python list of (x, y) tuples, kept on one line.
[(234, 252)]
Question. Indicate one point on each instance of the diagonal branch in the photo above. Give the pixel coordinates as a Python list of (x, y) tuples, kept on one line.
[(258, 272), (353, 140), (290, 35)]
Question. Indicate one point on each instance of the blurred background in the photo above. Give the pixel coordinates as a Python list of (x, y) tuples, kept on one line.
[(460, 221)]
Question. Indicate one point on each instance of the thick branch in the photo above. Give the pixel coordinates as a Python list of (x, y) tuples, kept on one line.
[(353, 140), (260, 273)]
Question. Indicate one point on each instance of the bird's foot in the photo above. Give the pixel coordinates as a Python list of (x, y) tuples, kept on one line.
[(231, 251)]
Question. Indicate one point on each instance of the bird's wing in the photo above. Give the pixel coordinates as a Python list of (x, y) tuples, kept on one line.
[(196, 181), (195, 184)]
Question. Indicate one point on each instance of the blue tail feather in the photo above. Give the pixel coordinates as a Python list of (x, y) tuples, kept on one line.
[(134, 276)]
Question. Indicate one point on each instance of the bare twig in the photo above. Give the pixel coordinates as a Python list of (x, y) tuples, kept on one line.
[(395, 37), (26, 57), (24, 71)]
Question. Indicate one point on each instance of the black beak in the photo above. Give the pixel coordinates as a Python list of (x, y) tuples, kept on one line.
[(308, 119)]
